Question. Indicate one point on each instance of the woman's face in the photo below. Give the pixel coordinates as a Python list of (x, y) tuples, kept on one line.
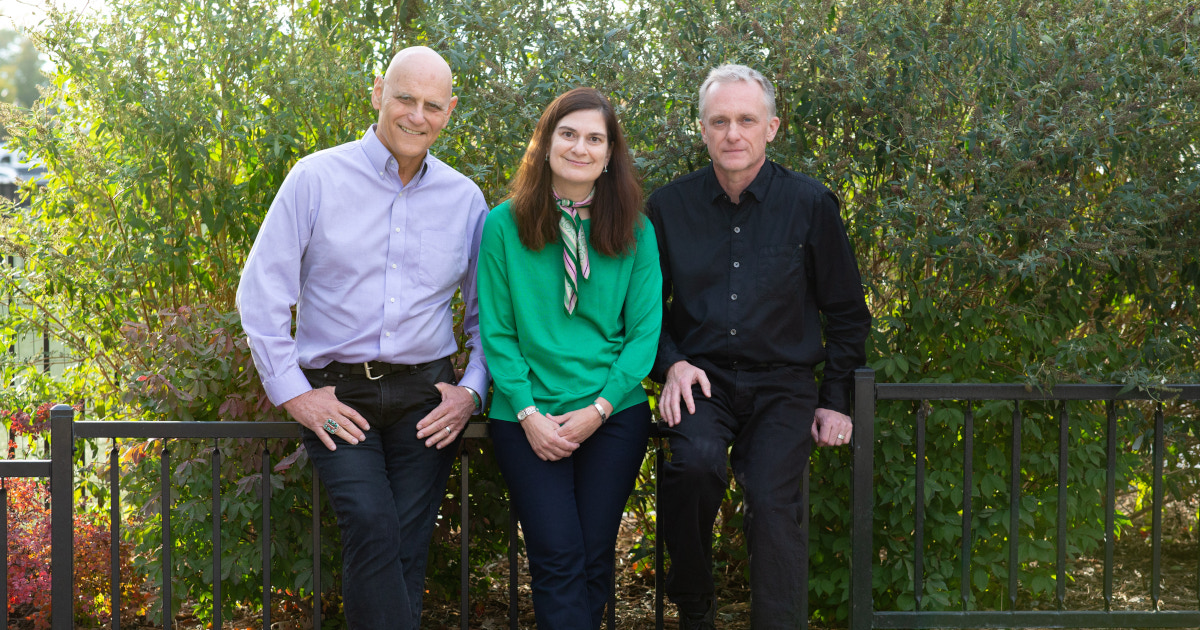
[(579, 151)]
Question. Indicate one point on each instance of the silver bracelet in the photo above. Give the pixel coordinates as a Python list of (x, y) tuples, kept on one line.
[(603, 416)]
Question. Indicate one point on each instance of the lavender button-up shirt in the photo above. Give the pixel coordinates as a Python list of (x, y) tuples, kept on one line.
[(370, 265)]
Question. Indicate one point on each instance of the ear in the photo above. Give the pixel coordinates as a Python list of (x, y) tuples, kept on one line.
[(377, 93), (772, 128), (453, 104)]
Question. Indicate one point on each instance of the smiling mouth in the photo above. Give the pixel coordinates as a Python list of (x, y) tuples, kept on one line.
[(574, 163), (410, 131)]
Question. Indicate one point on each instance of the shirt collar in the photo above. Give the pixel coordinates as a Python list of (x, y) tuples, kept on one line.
[(758, 188), (381, 159)]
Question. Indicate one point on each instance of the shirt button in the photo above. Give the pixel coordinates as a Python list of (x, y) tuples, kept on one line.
[(737, 230), (736, 264), (393, 265), (392, 300), (387, 334), (400, 194), (733, 297), (397, 229), (733, 331)]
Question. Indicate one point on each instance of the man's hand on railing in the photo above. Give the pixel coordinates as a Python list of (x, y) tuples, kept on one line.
[(831, 428), (316, 408)]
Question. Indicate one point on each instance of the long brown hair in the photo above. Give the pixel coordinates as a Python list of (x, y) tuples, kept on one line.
[(618, 202)]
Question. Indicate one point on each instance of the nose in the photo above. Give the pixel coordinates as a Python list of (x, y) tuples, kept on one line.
[(578, 147), (417, 114)]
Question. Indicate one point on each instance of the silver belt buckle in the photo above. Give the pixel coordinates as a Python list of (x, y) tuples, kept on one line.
[(367, 369)]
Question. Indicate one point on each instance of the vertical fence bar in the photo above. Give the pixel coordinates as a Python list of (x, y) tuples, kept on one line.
[(1156, 536), (1060, 590), (62, 516), (114, 533), (804, 528), (164, 509), (862, 501), (4, 541), (266, 537), (1110, 503), (464, 535), (316, 545), (512, 566), (1014, 505), (919, 511), (216, 533), (659, 579), (968, 439)]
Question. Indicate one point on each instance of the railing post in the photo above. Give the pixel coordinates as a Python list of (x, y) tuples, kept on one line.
[(862, 498), (62, 516)]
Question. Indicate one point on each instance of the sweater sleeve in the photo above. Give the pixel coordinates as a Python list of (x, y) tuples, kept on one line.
[(497, 318), (642, 313)]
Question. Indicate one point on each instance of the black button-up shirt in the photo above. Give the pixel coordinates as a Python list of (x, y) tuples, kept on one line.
[(745, 284)]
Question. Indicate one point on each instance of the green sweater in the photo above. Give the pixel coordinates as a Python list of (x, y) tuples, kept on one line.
[(540, 355)]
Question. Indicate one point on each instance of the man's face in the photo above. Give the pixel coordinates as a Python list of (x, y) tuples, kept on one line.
[(414, 102), (737, 127)]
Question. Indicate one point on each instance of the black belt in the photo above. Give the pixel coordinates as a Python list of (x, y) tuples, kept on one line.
[(373, 369), (749, 366)]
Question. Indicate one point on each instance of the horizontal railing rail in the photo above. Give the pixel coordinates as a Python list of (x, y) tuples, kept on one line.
[(868, 393)]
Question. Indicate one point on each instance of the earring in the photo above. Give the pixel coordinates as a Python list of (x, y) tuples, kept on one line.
[(547, 157), (605, 168)]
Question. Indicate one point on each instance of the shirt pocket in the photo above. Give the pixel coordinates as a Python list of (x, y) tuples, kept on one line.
[(781, 271), (441, 262)]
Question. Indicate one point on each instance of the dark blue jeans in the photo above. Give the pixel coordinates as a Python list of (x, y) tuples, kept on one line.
[(767, 416), (570, 511), (385, 491)]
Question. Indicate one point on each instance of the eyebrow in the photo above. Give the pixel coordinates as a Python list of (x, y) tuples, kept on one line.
[(437, 104), (602, 134)]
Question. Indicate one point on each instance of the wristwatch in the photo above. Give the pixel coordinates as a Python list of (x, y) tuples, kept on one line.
[(526, 412), (475, 397)]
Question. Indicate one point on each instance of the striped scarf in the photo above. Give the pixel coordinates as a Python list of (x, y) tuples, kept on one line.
[(575, 249)]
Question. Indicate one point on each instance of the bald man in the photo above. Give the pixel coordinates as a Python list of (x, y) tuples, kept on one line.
[(369, 241)]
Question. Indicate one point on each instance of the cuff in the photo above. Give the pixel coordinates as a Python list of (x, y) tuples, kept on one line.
[(286, 386)]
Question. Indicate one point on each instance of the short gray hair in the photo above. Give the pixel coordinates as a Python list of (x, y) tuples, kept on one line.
[(730, 73)]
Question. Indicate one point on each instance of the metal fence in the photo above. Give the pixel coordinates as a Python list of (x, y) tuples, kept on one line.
[(864, 554), (64, 430)]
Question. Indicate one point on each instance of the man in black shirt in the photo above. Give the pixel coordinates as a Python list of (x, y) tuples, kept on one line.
[(753, 255)]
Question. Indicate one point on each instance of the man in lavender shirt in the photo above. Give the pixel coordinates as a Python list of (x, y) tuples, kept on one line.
[(369, 242)]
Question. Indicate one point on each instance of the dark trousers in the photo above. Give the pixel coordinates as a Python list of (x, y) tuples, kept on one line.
[(385, 491), (767, 416), (570, 511)]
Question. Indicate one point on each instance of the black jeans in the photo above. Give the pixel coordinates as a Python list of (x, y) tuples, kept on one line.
[(385, 491), (767, 416), (570, 511)]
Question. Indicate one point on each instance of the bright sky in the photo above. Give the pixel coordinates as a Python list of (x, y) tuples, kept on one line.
[(26, 13)]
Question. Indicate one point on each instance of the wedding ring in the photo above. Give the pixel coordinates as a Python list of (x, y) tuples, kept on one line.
[(841, 437), (448, 430), (331, 426)]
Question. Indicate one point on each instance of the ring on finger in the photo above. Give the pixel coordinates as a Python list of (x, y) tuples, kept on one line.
[(331, 426), (449, 431), (841, 437)]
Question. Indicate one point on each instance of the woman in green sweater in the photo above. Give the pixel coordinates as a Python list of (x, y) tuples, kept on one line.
[(570, 308)]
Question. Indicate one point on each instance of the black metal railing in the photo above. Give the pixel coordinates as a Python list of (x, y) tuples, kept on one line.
[(64, 432), (864, 554)]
